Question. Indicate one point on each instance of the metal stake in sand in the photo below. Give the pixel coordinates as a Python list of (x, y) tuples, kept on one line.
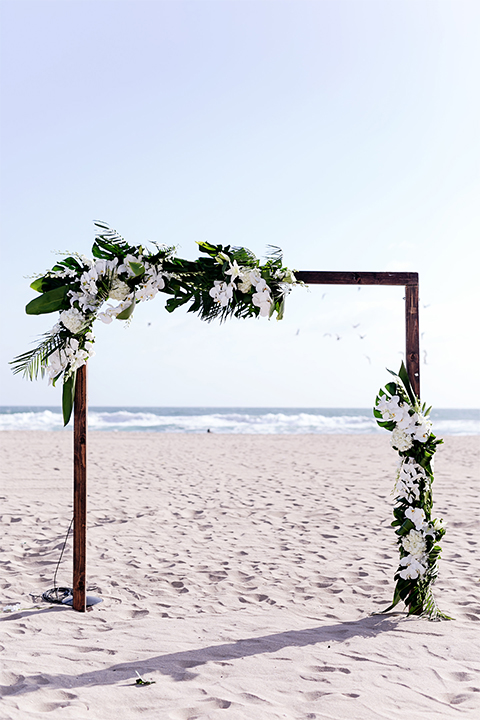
[(80, 490)]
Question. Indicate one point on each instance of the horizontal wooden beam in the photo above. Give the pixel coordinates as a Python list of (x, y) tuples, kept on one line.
[(321, 277)]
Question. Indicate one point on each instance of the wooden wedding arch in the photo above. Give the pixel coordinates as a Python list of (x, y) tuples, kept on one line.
[(310, 277)]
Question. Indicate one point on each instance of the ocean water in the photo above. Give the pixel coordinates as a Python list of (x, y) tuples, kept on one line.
[(351, 421)]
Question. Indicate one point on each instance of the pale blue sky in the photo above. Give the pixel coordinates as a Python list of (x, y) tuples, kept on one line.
[(346, 132)]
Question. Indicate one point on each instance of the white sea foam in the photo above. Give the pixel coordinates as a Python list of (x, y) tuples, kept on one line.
[(257, 421), (234, 422), (31, 420)]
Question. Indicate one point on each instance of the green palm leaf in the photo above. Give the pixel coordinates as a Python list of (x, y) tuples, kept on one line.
[(34, 362)]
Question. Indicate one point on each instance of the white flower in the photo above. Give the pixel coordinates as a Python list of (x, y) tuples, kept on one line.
[(78, 359), (383, 407), (421, 429), (221, 292), (413, 568), (433, 527), (394, 410), (234, 272), (245, 284), (126, 268), (409, 476), (262, 300), (400, 440), (405, 491), (87, 302), (147, 291), (69, 358), (254, 277), (88, 281), (404, 420), (414, 543), (417, 516), (57, 362), (77, 356), (73, 320), (261, 285), (401, 417), (100, 266), (119, 290), (111, 312), (393, 404), (156, 279)]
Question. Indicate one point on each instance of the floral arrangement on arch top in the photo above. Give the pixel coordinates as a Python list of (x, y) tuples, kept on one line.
[(224, 282)]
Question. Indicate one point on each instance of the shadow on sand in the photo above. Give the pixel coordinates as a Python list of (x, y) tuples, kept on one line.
[(179, 665)]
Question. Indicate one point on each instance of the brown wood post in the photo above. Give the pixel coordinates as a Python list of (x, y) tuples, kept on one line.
[(412, 336), (80, 490)]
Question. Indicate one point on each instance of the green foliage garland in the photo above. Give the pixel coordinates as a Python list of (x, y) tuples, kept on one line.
[(418, 535), (224, 282)]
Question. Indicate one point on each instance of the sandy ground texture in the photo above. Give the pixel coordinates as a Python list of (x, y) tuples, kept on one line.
[(238, 573)]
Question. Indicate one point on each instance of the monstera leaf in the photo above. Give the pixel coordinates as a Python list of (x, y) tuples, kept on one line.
[(48, 302)]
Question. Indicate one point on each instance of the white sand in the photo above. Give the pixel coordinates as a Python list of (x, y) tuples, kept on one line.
[(238, 573)]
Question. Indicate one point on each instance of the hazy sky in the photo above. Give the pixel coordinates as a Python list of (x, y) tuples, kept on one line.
[(345, 132)]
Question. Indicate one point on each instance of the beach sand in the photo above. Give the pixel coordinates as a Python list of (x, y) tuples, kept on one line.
[(238, 573)]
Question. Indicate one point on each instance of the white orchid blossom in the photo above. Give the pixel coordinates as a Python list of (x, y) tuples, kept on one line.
[(221, 292), (147, 291), (70, 358), (126, 268), (262, 299), (413, 569), (417, 517), (57, 362), (422, 428), (409, 476), (88, 281)]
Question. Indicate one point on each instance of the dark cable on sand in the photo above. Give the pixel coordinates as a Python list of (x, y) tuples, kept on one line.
[(58, 594)]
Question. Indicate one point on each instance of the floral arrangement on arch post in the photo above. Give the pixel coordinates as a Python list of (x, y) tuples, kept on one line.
[(398, 409), (224, 282)]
